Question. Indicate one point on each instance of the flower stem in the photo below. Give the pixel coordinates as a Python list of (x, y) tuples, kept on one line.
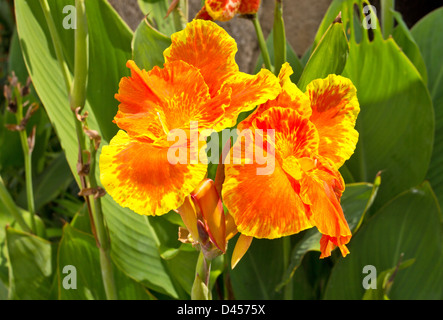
[(279, 37), (27, 154), (77, 102), (200, 289), (262, 43)]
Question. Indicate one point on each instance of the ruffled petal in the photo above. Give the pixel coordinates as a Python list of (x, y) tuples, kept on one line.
[(334, 112), (138, 175), (155, 102), (289, 97), (222, 10), (208, 47), (247, 91), (260, 195), (263, 206), (321, 189)]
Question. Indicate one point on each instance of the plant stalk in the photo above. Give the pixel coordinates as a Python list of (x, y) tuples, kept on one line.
[(262, 43), (279, 37), (27, 154)]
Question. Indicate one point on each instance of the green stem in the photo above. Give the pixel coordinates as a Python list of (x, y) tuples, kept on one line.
[(77, 100), (387, 17), (57, 44), (200, 289), (279, 37), (9, 204), (27, 154), (262, 43), (288, 288)]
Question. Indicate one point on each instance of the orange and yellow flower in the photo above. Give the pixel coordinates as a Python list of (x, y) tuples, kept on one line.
[(224, 10), (314, 136), (199, 82)]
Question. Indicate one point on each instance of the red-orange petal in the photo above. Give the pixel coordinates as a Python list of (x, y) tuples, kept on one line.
[(289, 97), (209, 48), (138, 175), (321, 189), (249, 6), (334, 112), (156, 102), (222, 10), (268, 205)]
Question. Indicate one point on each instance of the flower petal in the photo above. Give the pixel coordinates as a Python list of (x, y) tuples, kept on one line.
[(289, 97), (222, 10), (155, 102), (262, 205), (334, 112), (249, 6), (248, 91), (138, 175), (321, 189), (242, 245), (209, 48)]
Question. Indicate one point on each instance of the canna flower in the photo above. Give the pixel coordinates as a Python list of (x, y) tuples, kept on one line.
[(314, 136), (199, 83), (224, 10)]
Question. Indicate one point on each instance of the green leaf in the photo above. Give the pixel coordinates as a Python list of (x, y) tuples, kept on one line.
[(385, 281), (259, 271), (410, 224), (430, 41), (31, 266), (50, 183), (403, 37), (134, 242), (79, 265), (329, 57), (148, 46)]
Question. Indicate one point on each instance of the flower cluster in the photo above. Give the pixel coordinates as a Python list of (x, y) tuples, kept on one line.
[(313, 135)]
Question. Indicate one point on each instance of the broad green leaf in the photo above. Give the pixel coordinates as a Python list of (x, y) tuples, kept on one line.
[(427, 33), (31, 266), (148, 46), (385, 281), (50, 183), (355, 202), (329, 57), (134, 243), (259, 271), (79, 265), (396, 122), (403, 37), (409, 225)]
